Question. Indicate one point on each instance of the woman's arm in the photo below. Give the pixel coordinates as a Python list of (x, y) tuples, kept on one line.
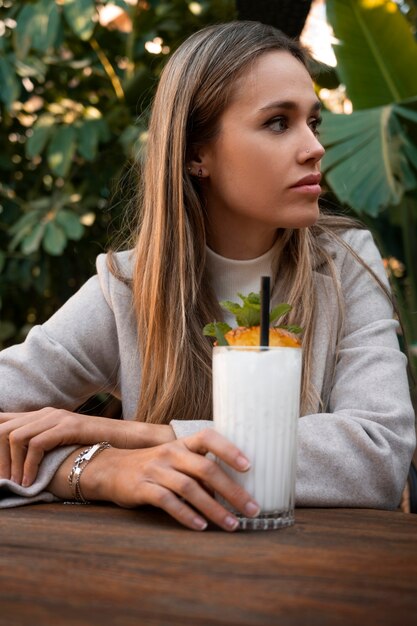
[(26, 437), (170, 476), (74, 355)]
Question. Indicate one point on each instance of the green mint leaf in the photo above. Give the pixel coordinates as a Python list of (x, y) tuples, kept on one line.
[(214, 328), (221, 339), (248, 317), (250, 313), (279, 310), (252, 298), (232, 307)]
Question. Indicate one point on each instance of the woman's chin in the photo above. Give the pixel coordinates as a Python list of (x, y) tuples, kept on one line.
[(304, 219)]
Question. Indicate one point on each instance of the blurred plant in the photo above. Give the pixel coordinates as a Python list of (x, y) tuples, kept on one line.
[(76, 78), (371, 154)]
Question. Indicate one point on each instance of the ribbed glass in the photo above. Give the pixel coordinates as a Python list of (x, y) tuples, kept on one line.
[(256, 403)]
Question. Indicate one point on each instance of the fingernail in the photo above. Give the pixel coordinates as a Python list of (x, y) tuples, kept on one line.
[(231, 522), (199, 523), (242, 462), (13, 479), (25, 482), (252, 509)]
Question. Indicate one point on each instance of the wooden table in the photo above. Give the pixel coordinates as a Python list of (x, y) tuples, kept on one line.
[(87, 565)]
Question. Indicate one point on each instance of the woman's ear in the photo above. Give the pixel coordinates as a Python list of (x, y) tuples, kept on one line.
[(199, 163)]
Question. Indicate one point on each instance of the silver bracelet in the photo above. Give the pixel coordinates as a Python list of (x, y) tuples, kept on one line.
[(79, 466)]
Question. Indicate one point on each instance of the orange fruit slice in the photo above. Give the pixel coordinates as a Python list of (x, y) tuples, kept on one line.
[(278, 337)]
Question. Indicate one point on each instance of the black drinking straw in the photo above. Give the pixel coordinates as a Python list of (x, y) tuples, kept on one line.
[(265, 303)]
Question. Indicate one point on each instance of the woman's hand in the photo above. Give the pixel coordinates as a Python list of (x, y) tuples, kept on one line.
[(170, 476), (26, 437)]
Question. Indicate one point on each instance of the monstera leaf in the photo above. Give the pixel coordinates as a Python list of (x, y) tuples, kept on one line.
[(371, 155)]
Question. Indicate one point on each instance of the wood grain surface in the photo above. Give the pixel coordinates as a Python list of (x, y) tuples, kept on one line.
[(87, 565)]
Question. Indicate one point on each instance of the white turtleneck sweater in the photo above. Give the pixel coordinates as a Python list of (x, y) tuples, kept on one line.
[(231, 277)]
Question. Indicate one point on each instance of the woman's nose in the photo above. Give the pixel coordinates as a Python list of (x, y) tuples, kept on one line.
[(312, 150)]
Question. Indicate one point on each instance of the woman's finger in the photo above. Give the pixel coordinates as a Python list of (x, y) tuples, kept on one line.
[(18, 448), (41, 443), (189, 489), (20, 438), (165, 499), (4, 455), (6, 417), (208, 440), (209, 472)]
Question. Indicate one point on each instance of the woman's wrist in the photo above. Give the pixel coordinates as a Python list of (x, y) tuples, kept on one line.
[(98, 477), (95, 480), (150, 435)]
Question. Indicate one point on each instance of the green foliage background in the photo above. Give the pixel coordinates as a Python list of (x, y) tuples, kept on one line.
[(74, 96)]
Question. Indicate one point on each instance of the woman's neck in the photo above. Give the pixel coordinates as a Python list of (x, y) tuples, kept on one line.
[(231, 245)]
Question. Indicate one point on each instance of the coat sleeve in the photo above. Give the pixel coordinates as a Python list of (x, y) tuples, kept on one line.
[(359, 453), (66, 360), (61, 364)]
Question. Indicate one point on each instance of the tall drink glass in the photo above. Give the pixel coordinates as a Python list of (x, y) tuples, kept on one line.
[(256, 403)]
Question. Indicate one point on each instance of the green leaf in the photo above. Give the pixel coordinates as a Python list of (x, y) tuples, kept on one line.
[(324, 75), (26, 221), (42, 131), (247, 315), (214, 328), (370, 155), (232, 307), (61, 150), (376, 51), (32, 241), (31, 67), (79, 15), (37, 27), (279, 310), (55, 240), (87, 139), (22, 228), (9, 85), (221, 339), (71, 224), (252, 298)]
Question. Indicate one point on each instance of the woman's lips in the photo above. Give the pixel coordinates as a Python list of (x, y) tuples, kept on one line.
[(309, 184)]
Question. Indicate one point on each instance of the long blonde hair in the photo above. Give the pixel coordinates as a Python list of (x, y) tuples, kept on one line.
[(172, 295)]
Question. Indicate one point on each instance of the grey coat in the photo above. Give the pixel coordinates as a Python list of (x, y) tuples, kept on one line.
[(355, 454)]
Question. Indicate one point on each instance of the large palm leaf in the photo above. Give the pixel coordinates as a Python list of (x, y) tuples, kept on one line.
[(376, 51), (371, 155)]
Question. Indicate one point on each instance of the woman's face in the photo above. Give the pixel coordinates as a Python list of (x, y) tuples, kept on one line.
[(267, 143)]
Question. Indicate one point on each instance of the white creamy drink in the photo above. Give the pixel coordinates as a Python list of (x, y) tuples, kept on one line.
[(256, 403)]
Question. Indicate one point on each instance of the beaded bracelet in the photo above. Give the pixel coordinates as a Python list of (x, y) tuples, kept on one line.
[(79, 466)]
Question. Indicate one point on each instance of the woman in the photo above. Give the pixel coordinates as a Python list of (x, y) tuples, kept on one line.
[(229, 192)]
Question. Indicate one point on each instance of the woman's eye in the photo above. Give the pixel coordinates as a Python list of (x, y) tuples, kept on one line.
[(315, 124), (278, 124)]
